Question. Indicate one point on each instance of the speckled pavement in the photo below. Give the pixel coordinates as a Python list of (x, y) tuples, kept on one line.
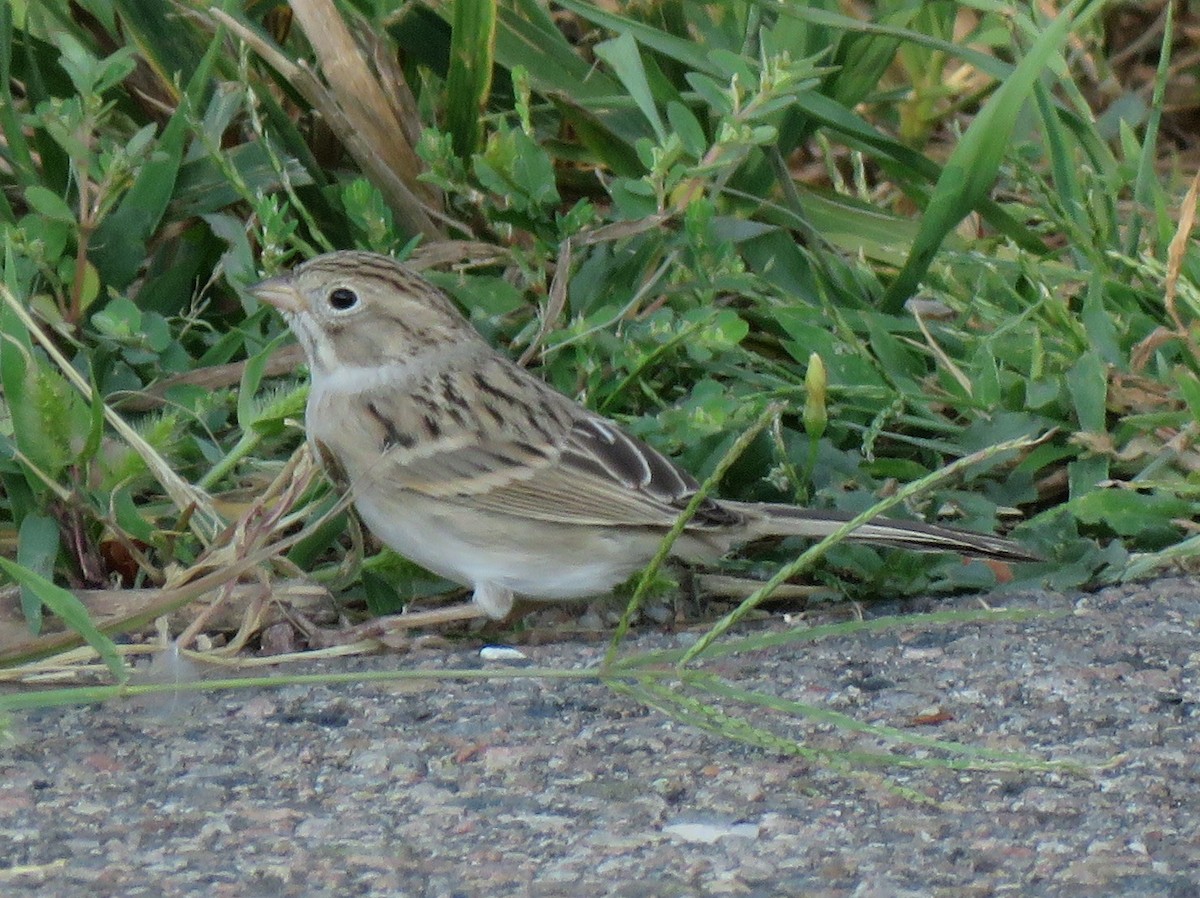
[(547, 787)]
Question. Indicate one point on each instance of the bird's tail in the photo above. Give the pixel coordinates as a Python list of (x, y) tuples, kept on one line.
[(766, 519)]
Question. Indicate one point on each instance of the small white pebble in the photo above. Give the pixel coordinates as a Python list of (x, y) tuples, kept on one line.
[(707, 832), (501, 653)]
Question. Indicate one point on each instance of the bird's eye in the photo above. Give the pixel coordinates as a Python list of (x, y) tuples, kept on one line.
[(343, 299)]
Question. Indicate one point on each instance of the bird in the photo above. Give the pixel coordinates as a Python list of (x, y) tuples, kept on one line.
[(472, 467)]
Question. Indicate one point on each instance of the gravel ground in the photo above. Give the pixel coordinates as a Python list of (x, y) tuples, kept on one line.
[(546, 788)]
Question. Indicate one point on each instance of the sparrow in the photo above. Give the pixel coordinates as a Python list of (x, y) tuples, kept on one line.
[(467, 464)]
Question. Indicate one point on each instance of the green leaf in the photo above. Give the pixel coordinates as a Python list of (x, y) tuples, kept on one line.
[(899, 364), (121, 319), (50, 204), (370, 214), (37, 550), (633, 198), (16, 348), (527, 36), (129, 517), (985, 378), (469, 80), (71, 610), (249, 412), (202, 187), (621, 53), (516, 167), (381, 595), (854, 130), (484, 297), (167, 41), (1087, 382), (1147, 183), (715, 94), (1063, 169), (1085, 473), (862, 59), (1132, 512), (156, 332), (687, 126), (1102, 324), (89, 75)]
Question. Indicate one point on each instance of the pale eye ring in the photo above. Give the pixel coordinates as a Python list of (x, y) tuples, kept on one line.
[(342, 299)]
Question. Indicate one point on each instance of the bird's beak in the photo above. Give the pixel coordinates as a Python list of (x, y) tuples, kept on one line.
[(279, 292)]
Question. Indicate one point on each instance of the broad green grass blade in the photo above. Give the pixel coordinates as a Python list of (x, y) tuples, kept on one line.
[(15, 143), (694, 56), (71, 610), (469, 80), (858, 132), (984, 62), (1087, 382), (37, 550), (975, 162), (689, 53), (1146, 185), (1064, 172), (861, 60), (591, 101), (166, 40)]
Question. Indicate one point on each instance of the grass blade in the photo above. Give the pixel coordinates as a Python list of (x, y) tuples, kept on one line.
[(469, 80), (975, 162), (71, 610)]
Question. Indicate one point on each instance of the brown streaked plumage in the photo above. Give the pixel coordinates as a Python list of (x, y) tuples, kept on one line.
[(474, 468)]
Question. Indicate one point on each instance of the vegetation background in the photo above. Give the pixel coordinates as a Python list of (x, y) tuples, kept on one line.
[(923, 229)]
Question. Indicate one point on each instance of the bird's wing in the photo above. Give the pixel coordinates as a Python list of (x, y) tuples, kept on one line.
[(509, 444), (601, 475)]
